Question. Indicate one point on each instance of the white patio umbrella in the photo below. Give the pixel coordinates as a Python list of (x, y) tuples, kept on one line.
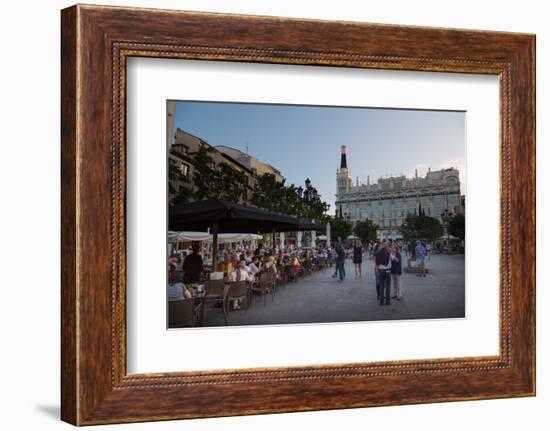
[(187, 236), (235, 237), (207, 237)]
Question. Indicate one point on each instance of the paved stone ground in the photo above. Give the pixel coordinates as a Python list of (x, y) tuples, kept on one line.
[(320, 298)]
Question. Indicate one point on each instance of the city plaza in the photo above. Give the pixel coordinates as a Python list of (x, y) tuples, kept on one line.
[(319, 298), (312, 295)]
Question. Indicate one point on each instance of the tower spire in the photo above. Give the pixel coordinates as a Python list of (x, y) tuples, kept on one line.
[(343, 160)]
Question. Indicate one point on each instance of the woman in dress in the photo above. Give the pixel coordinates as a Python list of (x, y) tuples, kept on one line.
[(396, 272), (358, 258)]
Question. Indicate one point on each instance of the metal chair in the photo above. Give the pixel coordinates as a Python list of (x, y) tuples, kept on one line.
[(282, 275), (291, 273), (266, 285), (307, 267), (182, 313), (236, 290), (214, 293)]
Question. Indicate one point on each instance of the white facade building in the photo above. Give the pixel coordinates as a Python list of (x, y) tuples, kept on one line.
[(388, 201)]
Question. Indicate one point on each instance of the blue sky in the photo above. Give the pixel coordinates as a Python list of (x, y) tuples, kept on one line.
[(304, 141)]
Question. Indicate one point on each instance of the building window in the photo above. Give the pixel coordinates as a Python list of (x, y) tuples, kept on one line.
[(184, 169)]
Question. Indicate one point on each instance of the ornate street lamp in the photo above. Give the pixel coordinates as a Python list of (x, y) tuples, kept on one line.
[(445, 216)]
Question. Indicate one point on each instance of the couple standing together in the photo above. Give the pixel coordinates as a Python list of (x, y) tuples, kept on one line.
[(340, 270), (387, 267)]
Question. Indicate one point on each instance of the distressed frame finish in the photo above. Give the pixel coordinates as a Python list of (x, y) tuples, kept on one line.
[(95, 42)]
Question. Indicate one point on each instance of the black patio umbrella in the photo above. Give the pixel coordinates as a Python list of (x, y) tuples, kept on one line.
[(226, 217)]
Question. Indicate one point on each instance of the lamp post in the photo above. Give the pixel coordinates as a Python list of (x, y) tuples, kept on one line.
[(445, 215)]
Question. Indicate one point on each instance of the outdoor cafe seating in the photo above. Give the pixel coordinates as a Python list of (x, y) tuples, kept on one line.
[(219, 293), (184, 312), (209, 220), (265, 285), (235, 290)]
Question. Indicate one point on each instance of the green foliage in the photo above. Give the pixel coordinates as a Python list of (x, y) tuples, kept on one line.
[(339, 228), (457, 225), (225, 182), (268, 193), (366, 230), (421, 227), (205, 177), (276, 196), (182, 196), (183, 193), (232, 184)]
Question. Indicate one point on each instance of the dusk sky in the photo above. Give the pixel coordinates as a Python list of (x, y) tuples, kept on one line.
[(304, 141)]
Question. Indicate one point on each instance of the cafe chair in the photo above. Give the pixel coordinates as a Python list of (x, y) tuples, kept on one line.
[(265, 286), (291, 273), (233, 291), (182, 313), (213, 293)]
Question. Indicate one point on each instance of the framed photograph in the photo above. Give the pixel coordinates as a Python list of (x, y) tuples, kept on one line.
[(265, 215)]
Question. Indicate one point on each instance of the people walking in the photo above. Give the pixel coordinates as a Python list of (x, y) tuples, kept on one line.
[(334, 256), (420, 252), (358, 258), (383, 267), (396, 270), (375, 249)]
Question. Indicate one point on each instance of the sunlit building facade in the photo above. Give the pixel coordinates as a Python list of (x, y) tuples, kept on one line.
[(389, 200)]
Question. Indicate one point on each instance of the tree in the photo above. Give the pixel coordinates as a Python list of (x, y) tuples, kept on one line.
[(366, 230), (183, 193), (268, 193), (339, 228), (205, 177), (232, 184), (421, 227), (273, 195), (457, 225)]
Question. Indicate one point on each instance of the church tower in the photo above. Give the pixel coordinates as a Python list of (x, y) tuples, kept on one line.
[(343, 175)]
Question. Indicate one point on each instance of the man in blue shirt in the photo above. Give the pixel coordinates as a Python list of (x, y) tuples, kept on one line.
[(420, 255)]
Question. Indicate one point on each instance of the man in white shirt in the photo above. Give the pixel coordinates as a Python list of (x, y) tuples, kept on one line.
[(241, 274)]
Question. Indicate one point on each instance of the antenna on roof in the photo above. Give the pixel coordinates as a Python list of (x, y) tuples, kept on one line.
[(246, 147)]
